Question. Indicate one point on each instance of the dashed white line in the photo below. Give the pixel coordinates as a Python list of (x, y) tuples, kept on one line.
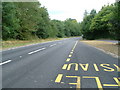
[(52, 45), (60, 42), (36, 50), (5, 62)]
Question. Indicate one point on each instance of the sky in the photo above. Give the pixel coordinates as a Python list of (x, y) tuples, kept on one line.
[(63, 9)]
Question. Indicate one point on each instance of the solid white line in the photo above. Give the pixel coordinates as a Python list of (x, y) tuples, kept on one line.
[(36, 50), (5, 62)]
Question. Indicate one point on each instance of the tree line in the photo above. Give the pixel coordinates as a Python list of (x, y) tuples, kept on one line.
[(104, 24), (28, 20)]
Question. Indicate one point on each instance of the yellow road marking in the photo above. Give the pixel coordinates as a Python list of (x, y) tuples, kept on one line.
[(96, 67), (72, 50), (116, 80), (112, 85), (62, 82), (84, 66), (118, 68), (59, 77), (70, 55), (64, 66), (97, 81), (78, 82), (107, 66), (68, 59), (76, 66)]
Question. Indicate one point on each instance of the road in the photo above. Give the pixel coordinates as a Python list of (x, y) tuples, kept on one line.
[(66, 63)]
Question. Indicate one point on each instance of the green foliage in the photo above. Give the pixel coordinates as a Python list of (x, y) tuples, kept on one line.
[(72, 28), (104, 24), (43, 23), (10, 24), (27, 13), (59, 27), (85, 25), (26, 20)]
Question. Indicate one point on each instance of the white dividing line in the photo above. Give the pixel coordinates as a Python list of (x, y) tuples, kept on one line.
[(36, 50), (60, 42), (5, 62), (52, 45)]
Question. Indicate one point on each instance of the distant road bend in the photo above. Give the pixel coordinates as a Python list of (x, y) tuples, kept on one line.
[(66, 63)]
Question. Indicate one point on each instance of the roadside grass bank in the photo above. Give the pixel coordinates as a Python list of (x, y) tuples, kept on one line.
[(103, 45), (17, 43)]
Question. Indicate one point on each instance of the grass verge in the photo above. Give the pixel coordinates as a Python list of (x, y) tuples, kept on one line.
[(106, 46), (17, 43)]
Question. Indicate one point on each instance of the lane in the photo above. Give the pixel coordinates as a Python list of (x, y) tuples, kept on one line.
[(36, 70), (89, 68), (23, 51)]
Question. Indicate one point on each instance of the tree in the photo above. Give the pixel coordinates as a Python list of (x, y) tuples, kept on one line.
[(114, 20), (85, 25), (44, 26), (10, 24), (72, 27), (104, 25), (27, 12), (59, 28)]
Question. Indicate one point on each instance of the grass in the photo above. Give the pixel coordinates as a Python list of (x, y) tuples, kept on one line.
[(17, 43), (106, 46)]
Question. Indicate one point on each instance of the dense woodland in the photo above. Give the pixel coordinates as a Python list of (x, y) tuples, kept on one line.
[(104, 24), (29, 20)]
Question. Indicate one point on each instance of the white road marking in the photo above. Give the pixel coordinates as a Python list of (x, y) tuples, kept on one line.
[(20, 56), (5, 62), (52, 45), (36, 50), (60, 42), (29, 45)]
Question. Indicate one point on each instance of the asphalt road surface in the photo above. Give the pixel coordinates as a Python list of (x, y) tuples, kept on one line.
[(66, 63)]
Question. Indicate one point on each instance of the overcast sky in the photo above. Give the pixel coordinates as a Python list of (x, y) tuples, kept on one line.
[(63, 9)]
